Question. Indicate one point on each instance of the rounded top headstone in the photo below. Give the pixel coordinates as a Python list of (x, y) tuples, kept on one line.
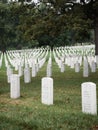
[(47, 78), (88, 83)]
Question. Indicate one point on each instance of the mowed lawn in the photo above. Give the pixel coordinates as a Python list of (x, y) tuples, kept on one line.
[(28, 113)]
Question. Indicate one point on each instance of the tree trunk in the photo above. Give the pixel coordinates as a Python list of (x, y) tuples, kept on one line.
[(96, 36)]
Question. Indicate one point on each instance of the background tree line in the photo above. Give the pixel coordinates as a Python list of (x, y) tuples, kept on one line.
[(49, 22)]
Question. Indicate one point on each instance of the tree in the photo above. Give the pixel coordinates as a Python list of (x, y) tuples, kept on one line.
[(89, 14), (10, 36), (4, 29), (3, 1), (51, 22), (44, 24), (91, 10)]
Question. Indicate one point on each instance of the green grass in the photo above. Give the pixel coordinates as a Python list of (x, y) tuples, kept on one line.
[(28, 113)]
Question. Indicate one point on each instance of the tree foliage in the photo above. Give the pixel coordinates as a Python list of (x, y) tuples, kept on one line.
[(49, 22)]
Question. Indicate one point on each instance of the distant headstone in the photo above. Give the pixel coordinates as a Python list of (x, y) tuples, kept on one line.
[(93, 66), (20, 70), (49, 70), (47, 91), (37, 67), (72, 63), (34, 71), (15, 86), (10, 72), (85, 68), (89, 103), (62, 66), (96, 57), (27, 77)]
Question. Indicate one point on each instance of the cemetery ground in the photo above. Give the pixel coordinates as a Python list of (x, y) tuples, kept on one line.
[(28, 113)]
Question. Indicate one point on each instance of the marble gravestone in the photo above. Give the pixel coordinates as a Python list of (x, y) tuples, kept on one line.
[(96, 57), (27, 77), (9, 73), (89, 103), (77, 67), (62, 66), (93, 66), (49, 70), (85, 68), (15, 86), (20, 70), (47, 91), (34, 71)]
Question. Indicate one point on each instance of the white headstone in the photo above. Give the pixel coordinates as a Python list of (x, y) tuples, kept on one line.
[(49, 70), (93, 67), (37, 67), (89, 103), (47, 91), (20, 70), (15, 86), (85, 68), (10, 72), (62, 66), (27, 77), (72, 62), (34, 71), (96, 57)]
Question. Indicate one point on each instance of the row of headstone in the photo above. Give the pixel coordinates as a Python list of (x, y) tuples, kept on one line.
[(73, 62), (24, 55), (92, 63), (26, 71), (19, 57), (46, 89), (24, 58), (76, 50), (88, 93), (89, 65), (89, 62), (15, 58), (36, 59)]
